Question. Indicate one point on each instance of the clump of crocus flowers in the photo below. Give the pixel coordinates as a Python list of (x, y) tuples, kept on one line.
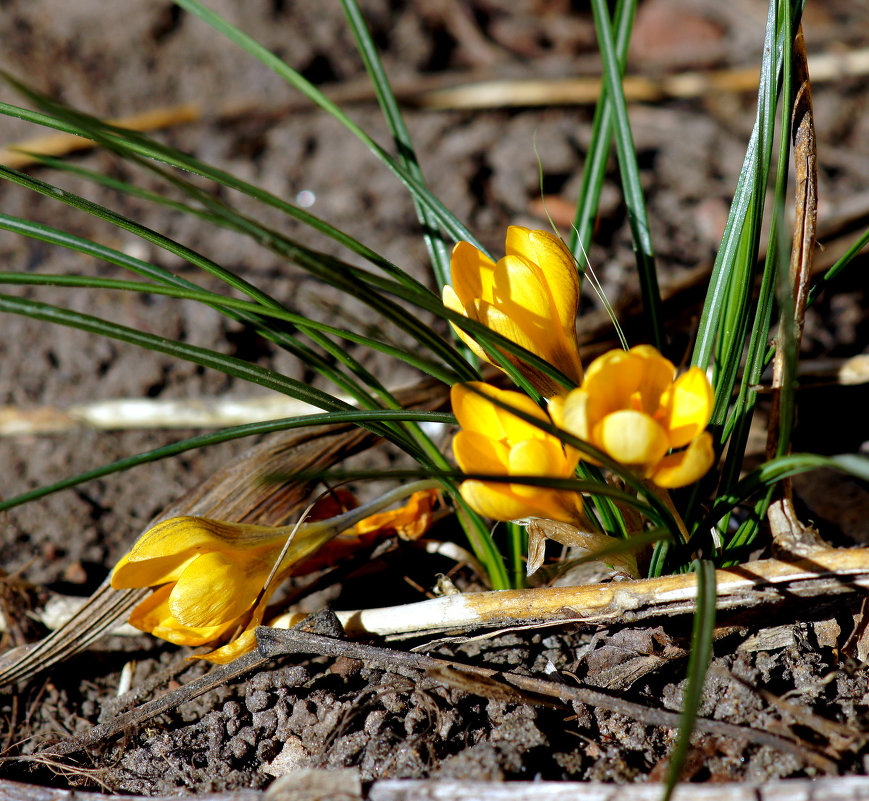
[(212, 579), (629, 405)]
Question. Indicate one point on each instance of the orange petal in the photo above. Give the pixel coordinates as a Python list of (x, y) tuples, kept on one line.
[(240, 644), (535, 457), (409, 521), (654, 376), (546, 250), (610, 381), (508, 327), (150, 572), (520, 291), (514, 428), (572, 415), (685, 467), (451, 301)]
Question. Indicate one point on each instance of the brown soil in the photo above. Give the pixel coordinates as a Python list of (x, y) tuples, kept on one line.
[(118, 58)]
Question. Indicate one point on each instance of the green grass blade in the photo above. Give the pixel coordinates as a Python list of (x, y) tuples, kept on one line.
[(631, 186), (747, 206), (225, 435), (594, 170), (219, 301), (437, 249), (124, 187), (782, 467), (733, 324), (229, 365), (838, 267), (699, 657), (136, 146), (338, 274), (451, 224)]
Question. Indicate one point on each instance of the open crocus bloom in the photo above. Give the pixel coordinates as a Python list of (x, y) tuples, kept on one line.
[(494, 441), (630, 407), (210, 576), (531, 297)]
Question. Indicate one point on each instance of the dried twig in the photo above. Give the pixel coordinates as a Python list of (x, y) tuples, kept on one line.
[(783, 525)]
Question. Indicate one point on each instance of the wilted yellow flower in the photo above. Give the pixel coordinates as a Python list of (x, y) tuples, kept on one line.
[(494, 441), (531, 297), (210, 575), (630, 407)]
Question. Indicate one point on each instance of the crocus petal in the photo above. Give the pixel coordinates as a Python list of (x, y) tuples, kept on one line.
[(477, 453), (216, 588), (508, 327), (571, 414), (409, 521), (688, 406), (493, 500), (520, 292), (150, 572), (243, 642), (154, 616), (514, 428), (543, 458), (473, 409), (654, 376), (685, 467), (535, 457), (557, 264), (471, 273), (609, 383), (523, 293), (632, 438), (451, 301)]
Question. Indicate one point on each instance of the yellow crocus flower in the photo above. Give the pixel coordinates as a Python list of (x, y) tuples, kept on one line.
[(494, 441), (210, 576), (531, 297), (630, 407)]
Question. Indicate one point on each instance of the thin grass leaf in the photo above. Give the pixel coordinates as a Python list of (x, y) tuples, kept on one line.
[(733, 324), (303, 256), (129, 144), (437, 249), (230, 365), (775, 470), (451, 224), (752, 167), (213, 299), (699, 657), (356, 416), (594, 170), (834, 271), (124, 187), (282, 338), (307, 258), (631, 186), (644, 506)]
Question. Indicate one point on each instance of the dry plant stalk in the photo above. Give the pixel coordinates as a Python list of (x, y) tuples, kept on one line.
[(787, 532)]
